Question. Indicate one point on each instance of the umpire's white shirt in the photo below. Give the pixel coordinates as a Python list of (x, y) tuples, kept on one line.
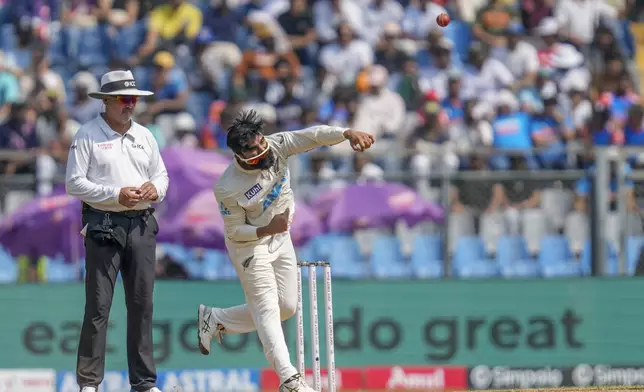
[(102, 161)]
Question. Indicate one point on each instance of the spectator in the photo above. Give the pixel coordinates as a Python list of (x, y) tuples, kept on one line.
[(299, 26), (9, 89), (171, 93), (322, 178), (468, 9), (420, 19), (453, 102), (380, 13), (35, 17), (435, 77), (534, 11), (330, 13), (583, 188), (578, 20), (424, 143), (381, 110), (550, 131), (634, 128), (259, 65), (219, 52), (522, 60), (344, 60), (576, 86), (40, 77), (170, 24), (387, 52), (485, 76), (409, 85), (511, 130), (513, 197), (472, 197), (118, 13), (83, 109), (185, 129), (19, 133), (492, 21)]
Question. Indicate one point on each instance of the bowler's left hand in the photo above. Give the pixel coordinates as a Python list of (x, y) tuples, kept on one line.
[(148, 191), (360, 141)]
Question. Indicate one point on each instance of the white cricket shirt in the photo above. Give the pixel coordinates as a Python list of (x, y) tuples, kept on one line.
[(249, 199), (102, 161)]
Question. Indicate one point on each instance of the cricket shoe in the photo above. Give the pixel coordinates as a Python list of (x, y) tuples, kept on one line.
[(207, 328), (296, 384)]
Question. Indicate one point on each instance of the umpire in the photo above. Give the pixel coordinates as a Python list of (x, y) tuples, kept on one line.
[(116, 169)]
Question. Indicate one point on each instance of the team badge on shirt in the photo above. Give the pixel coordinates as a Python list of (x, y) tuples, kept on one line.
[(223, 210)]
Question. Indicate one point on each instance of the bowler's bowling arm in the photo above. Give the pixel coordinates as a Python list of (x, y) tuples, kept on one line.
[(296, 142)]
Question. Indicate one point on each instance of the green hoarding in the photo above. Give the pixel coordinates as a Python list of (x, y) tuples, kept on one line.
[(519, 323)]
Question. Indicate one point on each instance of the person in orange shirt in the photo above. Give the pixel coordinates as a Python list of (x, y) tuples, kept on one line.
[(264, 60)]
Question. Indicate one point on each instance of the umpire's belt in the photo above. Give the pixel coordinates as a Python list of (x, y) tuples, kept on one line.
[(110, 228), (126, 214)]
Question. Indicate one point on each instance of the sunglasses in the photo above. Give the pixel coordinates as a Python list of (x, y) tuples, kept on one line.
[(127, 99), (255, 160)]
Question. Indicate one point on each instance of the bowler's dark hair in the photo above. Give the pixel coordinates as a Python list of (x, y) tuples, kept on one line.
[(246, 126)]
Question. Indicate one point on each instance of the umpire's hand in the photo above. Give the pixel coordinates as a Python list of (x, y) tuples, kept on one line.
[(129, 196), (360, 141), (148, 191)]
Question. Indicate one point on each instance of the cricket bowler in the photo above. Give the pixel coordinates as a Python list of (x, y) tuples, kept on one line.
[(257, 205)]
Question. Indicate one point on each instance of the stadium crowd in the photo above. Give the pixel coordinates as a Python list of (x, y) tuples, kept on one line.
[(549, 75)]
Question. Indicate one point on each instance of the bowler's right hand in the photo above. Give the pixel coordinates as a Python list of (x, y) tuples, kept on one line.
[(279, 224), (129, 196)]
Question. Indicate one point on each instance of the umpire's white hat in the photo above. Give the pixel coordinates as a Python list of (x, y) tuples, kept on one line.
[(119, 83)]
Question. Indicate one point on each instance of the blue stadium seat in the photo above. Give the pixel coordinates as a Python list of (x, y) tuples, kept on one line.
[(194, 268), (520, 269), (227, 270), (57, 50), (554, 249), (127, 40), (460, 34), (633, 248), (510, 249), (59, 271), (563, 269), (612, 267), (323, 244), (177, 252), (212, 264), (426, 257), (306, 252), (199, 104), (474, 269), (387, 260), (8, 268), (8, 39), (468, 248), (93, 48)]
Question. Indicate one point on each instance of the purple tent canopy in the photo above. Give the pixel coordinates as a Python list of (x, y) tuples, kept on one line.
[(45, 226), (374, 206), (200, 224), (190, 171)]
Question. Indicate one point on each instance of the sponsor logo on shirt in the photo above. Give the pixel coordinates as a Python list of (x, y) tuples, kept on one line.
[(105, 146), (138, 146), (253, 191)]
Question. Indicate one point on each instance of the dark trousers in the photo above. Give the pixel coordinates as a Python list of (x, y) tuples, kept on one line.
[(135, 258)]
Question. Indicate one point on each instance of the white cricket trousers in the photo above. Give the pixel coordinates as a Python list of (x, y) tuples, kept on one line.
[(269, 281)]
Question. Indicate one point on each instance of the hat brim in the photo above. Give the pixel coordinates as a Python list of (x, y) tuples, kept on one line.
[(128, 92)]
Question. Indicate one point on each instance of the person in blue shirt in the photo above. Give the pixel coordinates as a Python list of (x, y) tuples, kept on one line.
[(453, 104), (634, 129), (511, 131), (583, 189), (550, 131)]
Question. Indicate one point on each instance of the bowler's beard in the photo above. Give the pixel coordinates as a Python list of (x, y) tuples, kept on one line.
[(267, 162)]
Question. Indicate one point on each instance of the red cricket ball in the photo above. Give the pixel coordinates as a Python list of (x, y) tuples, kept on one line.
[(442, 19)]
